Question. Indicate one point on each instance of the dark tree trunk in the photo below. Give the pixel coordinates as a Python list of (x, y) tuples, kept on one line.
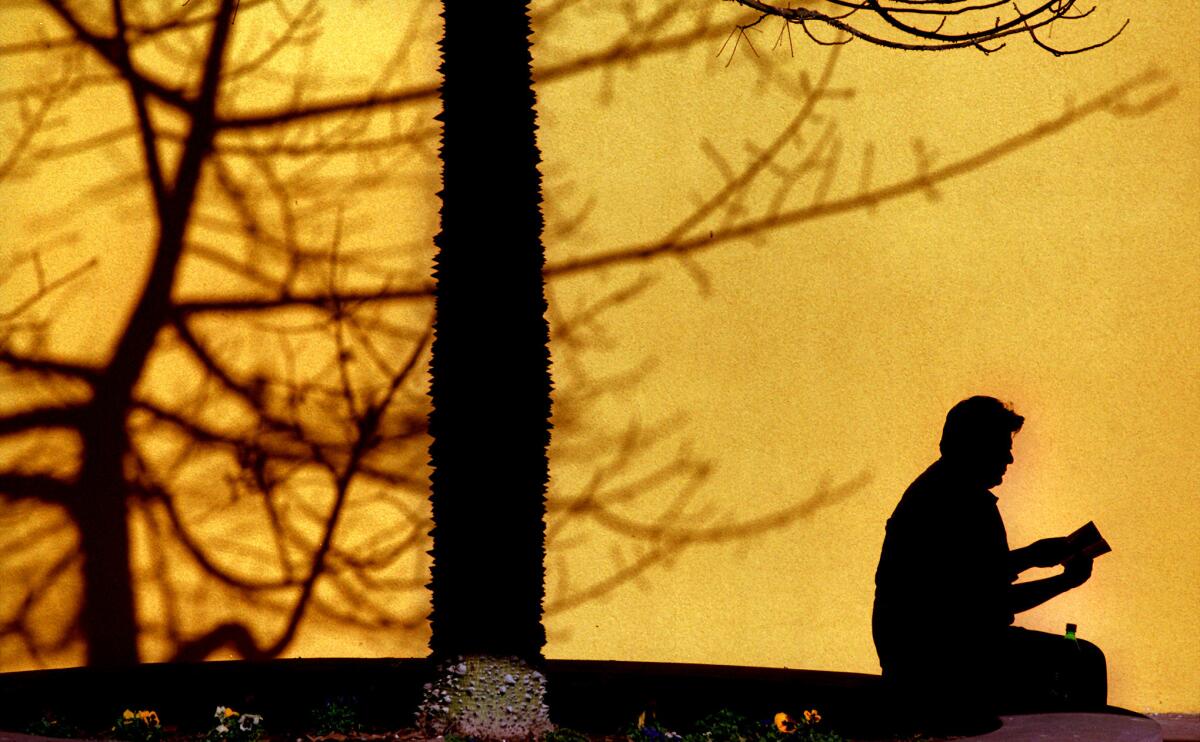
[(491, 367), (108, 614), (107, 618)]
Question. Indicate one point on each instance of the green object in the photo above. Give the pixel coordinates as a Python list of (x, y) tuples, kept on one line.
[(336, 716), (1071, 635), (49, 726)]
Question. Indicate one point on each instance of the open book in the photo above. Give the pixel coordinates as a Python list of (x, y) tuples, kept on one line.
[(1086, 542)]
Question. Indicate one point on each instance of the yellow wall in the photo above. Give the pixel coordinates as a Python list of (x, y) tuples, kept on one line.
[(820, 357), (1061, 278)]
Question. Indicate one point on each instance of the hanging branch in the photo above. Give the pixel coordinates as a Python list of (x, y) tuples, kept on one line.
[(921, 25)]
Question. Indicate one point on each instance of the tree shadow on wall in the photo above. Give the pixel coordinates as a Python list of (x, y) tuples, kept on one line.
[(242, 456)]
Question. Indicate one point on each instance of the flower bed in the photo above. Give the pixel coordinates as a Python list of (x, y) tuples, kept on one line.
[(319, 700), (338, 722)]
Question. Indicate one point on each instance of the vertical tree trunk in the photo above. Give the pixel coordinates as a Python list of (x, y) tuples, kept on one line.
[(107, 617), (491, 368)]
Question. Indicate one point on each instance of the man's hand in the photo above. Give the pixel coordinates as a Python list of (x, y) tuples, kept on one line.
[(1077, 571), (1026, 595), (1049, 552)]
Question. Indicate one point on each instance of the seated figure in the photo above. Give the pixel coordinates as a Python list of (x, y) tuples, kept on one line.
[(946, 593)]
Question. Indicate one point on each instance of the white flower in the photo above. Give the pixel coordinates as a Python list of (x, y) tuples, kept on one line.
[(220, 712), (249, 721), (222, 729)]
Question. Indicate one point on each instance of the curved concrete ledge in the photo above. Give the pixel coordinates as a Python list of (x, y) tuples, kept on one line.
[(1179, 727), (1072, 727)]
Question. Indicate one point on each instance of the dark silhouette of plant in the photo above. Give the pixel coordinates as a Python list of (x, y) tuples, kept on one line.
[(491, 364), (490, 385)]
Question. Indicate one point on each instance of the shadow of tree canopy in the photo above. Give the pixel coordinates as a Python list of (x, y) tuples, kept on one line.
[(235, 449)]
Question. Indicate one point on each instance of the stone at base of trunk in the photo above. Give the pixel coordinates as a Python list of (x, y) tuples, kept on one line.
[(491, 699)]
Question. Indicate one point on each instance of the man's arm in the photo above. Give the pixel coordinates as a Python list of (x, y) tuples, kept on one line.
[(1026, 595), (1046, 552)]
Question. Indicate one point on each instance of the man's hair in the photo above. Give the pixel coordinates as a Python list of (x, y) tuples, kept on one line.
[(975, 420)]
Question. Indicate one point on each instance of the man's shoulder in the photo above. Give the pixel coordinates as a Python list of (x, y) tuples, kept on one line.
[(932, 479), (937, 491), (929, 486)]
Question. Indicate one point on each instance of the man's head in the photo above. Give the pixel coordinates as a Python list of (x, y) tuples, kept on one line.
[(977, 438)]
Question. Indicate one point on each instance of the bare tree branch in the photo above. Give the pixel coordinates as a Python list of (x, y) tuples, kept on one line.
[(983, 25), (41, 487), (1152, 83)]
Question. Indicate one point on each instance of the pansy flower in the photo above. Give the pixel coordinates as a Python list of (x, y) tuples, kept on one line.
[(249, 721), (785, 723)]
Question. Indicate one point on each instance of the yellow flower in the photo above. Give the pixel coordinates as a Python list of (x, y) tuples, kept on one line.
[(812, 717), (127, 715), (785, 723), (230, 712)]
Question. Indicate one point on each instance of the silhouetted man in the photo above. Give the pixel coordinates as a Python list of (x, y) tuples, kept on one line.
[(945, 594)]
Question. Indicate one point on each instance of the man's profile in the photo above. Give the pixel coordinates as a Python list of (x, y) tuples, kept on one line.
[(946, 591)]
